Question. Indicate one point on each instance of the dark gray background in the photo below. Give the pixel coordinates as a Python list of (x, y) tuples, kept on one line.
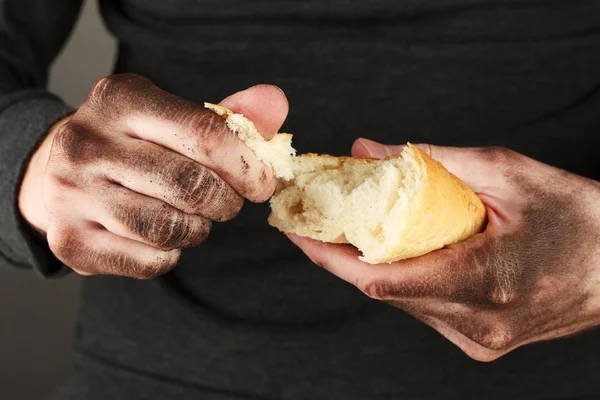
[(36, 316)]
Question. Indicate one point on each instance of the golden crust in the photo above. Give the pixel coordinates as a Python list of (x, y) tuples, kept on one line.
[(445, 212)]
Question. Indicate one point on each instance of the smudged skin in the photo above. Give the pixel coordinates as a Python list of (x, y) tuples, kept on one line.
[(532, 275), (137, 173)]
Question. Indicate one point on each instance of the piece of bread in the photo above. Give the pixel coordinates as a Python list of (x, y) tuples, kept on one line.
[(401, 207), (277, 153)]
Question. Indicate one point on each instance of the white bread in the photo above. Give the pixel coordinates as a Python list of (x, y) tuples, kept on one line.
[(277, 153), (392, 209)]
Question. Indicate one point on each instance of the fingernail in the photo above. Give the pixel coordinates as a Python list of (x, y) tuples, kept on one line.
[(375, 150), (231, 100)]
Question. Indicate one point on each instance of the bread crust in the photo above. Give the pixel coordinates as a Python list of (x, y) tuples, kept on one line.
[(445, 212)]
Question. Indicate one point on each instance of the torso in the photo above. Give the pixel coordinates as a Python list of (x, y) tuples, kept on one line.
[(246, 311)]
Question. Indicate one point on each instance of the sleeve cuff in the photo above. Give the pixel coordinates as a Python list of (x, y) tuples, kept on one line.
[(22, 126)]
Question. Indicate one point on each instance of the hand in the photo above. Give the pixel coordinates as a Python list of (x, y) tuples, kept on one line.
[(532, 275), (136, 174)]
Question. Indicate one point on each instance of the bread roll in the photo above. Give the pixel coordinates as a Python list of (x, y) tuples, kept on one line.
[(404, 206)]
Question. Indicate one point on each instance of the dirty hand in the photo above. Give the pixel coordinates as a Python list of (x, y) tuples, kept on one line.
[(137, 173), (532, 275)]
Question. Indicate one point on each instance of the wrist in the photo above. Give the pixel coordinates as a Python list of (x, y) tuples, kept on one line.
[(30, 202), (593, 204)]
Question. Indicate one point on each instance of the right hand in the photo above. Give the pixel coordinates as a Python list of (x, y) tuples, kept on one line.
[(136, 174)]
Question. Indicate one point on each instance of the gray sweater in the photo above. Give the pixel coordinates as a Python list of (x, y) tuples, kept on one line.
[(245, 315)]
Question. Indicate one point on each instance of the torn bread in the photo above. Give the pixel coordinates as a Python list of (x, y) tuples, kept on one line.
[(277, 153), (401, 207)]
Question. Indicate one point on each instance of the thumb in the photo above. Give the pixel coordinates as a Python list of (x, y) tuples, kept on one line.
[(265, 105), (465, 163), (371, 149)]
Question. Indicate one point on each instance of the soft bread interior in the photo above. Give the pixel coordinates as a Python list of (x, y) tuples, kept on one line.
[(276, 153), (345, 200), (400, 207)]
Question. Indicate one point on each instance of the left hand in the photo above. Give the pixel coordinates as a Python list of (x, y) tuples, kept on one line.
[(532, 275)]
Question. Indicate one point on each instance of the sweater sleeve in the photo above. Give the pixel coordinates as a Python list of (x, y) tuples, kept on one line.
[(32, 32)]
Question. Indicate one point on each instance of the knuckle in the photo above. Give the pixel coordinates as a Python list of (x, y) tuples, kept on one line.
[(73, 144), (174, 230), (163, 226), (494, 337), (197, 186), (100, 87), (502, 287), (210, 129), (177, 230), (192, 180), (169, 230), (131, 78), (501, 296), (105, 89), (163, 264), (375, 289), (498, 155), (166, 229), (63, 242)]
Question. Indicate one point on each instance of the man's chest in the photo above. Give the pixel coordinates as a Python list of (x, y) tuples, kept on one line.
[(504, 15)]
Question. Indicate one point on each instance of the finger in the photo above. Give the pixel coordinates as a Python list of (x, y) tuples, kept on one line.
[(203, 136), (369, 149), (157, 172), (451, 274), (144, 219), (89, 249), (130, 105), (265, 105), (468, 164)]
